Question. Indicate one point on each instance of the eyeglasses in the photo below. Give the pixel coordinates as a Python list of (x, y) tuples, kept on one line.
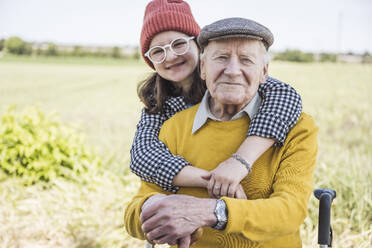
[(179, 46)]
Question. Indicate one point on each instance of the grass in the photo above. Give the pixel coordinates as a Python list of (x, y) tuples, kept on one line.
[(100, 97)]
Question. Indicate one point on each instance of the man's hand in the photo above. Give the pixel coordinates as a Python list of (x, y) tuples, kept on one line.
[(184, 242), (190, 240), (225, 179), (174, 217), (152, 200)]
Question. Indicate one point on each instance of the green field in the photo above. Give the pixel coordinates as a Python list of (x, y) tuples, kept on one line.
[(100, 97)]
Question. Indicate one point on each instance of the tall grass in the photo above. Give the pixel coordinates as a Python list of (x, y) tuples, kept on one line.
[(337, 95), (100, 98)]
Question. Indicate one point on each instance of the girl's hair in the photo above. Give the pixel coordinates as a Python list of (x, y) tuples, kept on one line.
[(155, 90)]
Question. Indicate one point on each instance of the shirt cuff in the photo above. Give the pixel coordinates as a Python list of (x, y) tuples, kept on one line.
[(170, 169), (270, 126)]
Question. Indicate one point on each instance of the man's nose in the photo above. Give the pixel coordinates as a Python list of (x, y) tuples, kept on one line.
[(233, 67)]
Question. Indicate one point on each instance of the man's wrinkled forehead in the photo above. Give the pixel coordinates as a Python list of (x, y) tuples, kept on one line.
[(228, 45)]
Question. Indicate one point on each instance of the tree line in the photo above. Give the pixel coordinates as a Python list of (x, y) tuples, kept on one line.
[(17, 46)]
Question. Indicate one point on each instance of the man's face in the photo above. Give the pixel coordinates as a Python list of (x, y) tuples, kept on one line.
[(233, 69)]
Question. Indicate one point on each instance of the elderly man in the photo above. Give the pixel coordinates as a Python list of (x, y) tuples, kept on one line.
[(234, 62)]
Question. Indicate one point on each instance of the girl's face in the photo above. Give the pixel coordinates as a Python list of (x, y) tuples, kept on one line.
[(176, 68)]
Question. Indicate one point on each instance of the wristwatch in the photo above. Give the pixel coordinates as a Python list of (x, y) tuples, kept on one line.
[(221, 212)]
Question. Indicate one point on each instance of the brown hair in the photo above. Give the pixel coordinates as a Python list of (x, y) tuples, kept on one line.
[(155, 90)]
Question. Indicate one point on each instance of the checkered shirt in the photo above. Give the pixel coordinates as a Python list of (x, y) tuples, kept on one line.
[(152, 161)]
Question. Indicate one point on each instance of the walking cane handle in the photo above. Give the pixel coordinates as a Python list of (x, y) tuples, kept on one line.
[(325, 197)]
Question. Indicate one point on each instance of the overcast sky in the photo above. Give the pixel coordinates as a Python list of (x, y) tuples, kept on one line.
[(315, 25)]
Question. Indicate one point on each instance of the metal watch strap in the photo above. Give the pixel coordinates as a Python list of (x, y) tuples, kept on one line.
[(243, 161), (221, 213)]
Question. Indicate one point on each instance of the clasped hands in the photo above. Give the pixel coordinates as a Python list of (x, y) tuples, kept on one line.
[(177, 219), (225, 180)]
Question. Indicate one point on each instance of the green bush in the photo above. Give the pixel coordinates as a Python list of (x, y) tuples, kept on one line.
[(294, 56), (367, 58), (116, 53), (52, 50), (39, 147), (17, 46), (137, 54), (2, 42), (78, 51), (328, 57)]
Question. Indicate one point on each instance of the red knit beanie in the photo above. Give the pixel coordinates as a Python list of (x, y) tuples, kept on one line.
[(166, 15)]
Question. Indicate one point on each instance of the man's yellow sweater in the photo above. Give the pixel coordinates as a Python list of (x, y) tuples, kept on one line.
[(278, 188)]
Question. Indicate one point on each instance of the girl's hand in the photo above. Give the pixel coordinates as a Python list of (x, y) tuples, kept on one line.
[(240, 194), (225, 179)]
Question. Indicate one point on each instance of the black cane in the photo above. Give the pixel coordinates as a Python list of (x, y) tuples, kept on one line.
[(325, 197)]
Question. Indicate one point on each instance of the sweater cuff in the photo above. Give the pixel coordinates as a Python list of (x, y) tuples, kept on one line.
[(234, 217), (234, 221), (270, 126)]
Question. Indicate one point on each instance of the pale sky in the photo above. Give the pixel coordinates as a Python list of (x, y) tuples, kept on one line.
[(313, 25)]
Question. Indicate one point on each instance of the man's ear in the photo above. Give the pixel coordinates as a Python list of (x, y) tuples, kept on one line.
[(202, 68), (265, 73)]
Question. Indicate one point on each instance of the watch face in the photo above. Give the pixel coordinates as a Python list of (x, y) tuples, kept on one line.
[(221, 212), (223, 215)]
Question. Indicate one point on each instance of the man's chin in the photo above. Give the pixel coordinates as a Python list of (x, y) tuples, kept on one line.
[(232, 102), (232, 99)]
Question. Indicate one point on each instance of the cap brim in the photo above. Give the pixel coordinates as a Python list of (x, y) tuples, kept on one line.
[(236, 36)]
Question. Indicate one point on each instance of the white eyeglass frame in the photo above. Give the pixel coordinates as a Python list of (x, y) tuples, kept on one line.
[(147, 54)]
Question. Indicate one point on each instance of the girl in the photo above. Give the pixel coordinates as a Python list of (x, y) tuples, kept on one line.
[(168, 46)]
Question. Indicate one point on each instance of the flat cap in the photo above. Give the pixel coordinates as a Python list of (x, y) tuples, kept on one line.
[(235, 27)]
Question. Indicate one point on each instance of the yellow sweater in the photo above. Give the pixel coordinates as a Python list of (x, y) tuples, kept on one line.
[(278, 189)]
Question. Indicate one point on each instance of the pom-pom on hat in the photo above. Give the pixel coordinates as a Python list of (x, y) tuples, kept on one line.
[(166, 15)]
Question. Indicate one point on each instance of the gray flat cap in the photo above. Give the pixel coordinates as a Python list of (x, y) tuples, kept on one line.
[(235, 27)]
